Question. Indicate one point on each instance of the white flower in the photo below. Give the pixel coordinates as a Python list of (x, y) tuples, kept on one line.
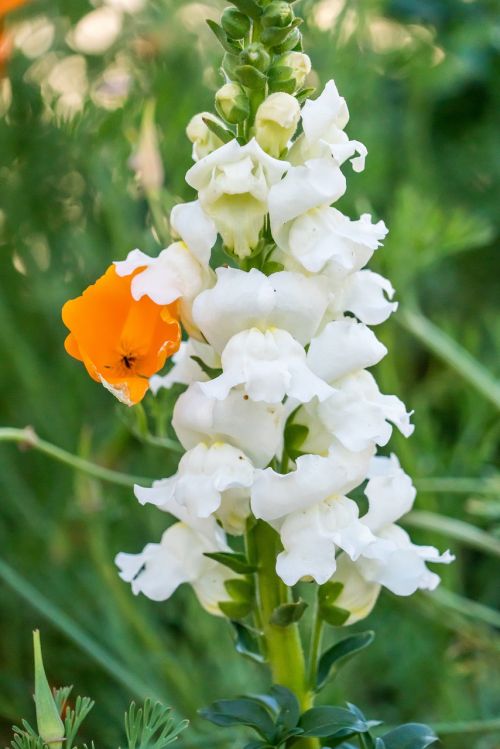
[(185, 369), (316, 478), (367, 295), (240, 301), (325, 237), (175, 274), (97, 31), (324, 120), (203, 139), (343, 347), (300, 65), (269, 365), (204, 474), (318, 183), (358, 596), (358, 414), (276, 122), (179, 558), (310, 538), (190, 222), (255, 428), (233, 185), (393, 560)]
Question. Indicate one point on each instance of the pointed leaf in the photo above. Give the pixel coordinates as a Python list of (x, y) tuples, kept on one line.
[(235, 561), (212, 372), (339, 654), (410, 736), (225, 136), (247, 642), (250, 76), (244, 711), (240, 589), (289, 706), (222, 37), (49, 723), (288, 613), (327, 721)]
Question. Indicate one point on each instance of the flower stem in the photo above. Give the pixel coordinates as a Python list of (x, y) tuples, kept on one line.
[(315, 646), (283, 645)]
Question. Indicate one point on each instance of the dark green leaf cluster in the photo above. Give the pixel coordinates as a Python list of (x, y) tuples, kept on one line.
[(276, 718), (151, 726)]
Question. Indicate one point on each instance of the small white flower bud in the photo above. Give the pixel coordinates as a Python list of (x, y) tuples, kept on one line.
[(203, 139), (300, 63), (232, 103), (276, 122)]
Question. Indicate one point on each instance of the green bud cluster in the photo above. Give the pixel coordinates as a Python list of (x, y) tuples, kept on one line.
[(263, 55)]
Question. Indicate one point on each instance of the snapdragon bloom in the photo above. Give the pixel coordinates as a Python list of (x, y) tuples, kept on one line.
[(122, 342)]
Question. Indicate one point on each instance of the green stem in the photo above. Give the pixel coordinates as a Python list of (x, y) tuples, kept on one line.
[(315, 646), (283, 645), (30, 439)]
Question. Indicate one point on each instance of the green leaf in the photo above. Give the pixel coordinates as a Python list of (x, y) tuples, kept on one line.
[(235, 561), (49, 723), (221, 35), (225, 135), (329, 592), (244, 711), (331, 722), (304, 94), (273, 35), (240, 589), (340, 653), (250, 76), (74, 717), (334, 615), (235, 610), (288, 613), (409, 736), (151, 726), (250, 7), (271, 266), (289, 707), (247, 642), (212, 372)]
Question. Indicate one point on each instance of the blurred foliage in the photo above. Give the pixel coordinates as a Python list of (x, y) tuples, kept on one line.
[(421, 80)]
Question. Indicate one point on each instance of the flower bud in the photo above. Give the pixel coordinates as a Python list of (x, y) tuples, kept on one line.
[(276, 121), (232, 103), (49, 723), (235, 24), (292, 41), (299, 63), (203, 139), (278, 14), (257, 56)]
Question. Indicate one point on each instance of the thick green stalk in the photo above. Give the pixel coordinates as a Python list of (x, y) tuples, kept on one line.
[(283, 645)]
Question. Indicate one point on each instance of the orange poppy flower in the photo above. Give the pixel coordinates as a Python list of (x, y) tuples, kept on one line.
[(6, 6), (122, 342)]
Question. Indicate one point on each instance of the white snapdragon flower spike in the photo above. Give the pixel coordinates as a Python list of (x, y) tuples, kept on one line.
[(240, 301), (179, 558), (204, 474), (255, 428), (269, 365), (316, 184), (357, 414), (323, 239), (175, 274), (323, 121), (185, 369), (233, 185)]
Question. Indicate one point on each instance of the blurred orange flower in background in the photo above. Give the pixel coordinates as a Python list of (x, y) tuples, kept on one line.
[(122, 342), (6, 6)]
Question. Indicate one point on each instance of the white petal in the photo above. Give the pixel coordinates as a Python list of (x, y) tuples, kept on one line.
[(275, 495), (135, 259), (234, 510), (204, 474), (318, 183), (269, 365), (195, 228), (344, 150), (321, 114), (364, 294), (241, 300), (390, 493), (324, 236), (358, 595), (255, 428), (343, 347), (357, 413)]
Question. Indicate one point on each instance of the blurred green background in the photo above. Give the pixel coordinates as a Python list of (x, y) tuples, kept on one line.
[(421, 80)]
